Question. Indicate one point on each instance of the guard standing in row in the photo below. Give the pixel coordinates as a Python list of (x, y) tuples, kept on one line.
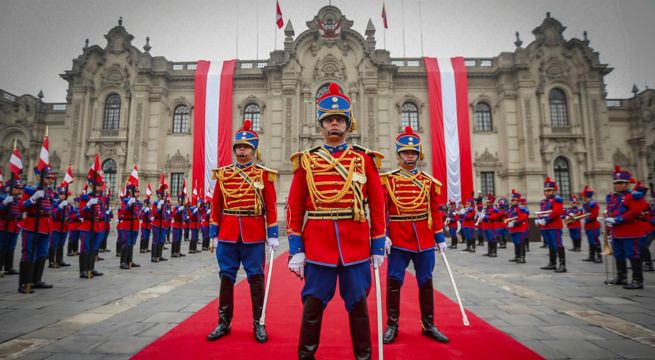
[(550, 223), (517, 222), (10, 217), (60, 220), (415, 231), (128, 226), (591, 224), (332, 183), (468, 215), (243, 219), (92, 210), (159, 223), (572, 219)]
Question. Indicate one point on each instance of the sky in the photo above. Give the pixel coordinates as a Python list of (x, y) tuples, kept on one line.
[(39, 39)]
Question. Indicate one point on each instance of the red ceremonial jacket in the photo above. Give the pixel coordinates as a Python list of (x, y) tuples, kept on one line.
[(591, 221), (468, 219), (574, 211), (627, 208), (30, 209), (244, 203), (554, 218), (409, 234), (129, 215), (97, 212), (10, 216), (521, 213), (60, 217), (317, 187)]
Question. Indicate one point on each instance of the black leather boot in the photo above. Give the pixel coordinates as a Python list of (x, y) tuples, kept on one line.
[(92, 265), (257, 298), (637, 276), (84, 268), (561, 254), (154, 253), (9, 263), (123, 254), (494, 250), (360, 330), (310, 328), (647, 262), (393, 310), (516, 254), (621, 273), (161, 253), (527, 244), (24, 277), (225, 310), (52, 264), (472, 245), (592, 253), (130, 258), (2, 263), (59, 256), (38, 282), (426, 303), (552, 259), (488, 249)]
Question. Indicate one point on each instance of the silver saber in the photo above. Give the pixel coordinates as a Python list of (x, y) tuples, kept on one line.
[(378, 306), (268, 287), (465, 319)]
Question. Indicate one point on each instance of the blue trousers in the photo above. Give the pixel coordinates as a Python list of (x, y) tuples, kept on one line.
[(231, 255), (57, 238), (593, 237), (194, 234), (553, 238), (8, 241), (35, 246), (127, 237), (489, 235), (575, 233), (626, 248), (145, 235), (501, 233), (452, 232), (321, 283), (205, 232), (177, 235), (90, 241), (158, 235), (467, 233), (517, 238), (423, 265)]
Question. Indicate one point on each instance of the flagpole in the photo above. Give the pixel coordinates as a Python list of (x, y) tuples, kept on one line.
[(420, 24), (402, 14), (236, 43)]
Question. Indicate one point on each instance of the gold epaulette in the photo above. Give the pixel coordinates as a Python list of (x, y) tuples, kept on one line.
[(377, 156), (437, 182), (295, 157), (215, 171), (272, 174), (385, 176)]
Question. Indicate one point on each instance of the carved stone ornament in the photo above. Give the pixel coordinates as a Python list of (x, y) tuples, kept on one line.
[(330, 67), (177, 162), (620, 158), (486, 157), (555, 69)]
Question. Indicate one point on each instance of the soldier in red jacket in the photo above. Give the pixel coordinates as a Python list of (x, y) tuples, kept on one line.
[(159, 222), (243, 219), (517, 223), (550, 223), (572, 219), (61, 212), (645, 221), (36, 203), (146, 224), (194, 223), (92, 209), (128, 226), (331, 185), (179, 216), (624, 209), (454, 225), (487, 222), (414, 231), (468, 215), (591, 224), (10, 217)]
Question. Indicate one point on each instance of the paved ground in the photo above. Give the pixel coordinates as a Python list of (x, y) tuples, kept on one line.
[(560, 316)]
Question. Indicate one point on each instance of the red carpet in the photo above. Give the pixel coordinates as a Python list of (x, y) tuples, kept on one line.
[(187, 340)]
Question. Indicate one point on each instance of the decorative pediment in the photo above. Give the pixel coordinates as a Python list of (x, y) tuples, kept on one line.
[(486, 157), (118, 39), (556, 69), (330, 67), (115, 75), (177, 162), (329, 22), (549, 32), (620, 158)]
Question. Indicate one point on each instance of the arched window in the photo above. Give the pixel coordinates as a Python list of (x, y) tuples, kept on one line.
[(181, 119), (483, 117), (409, 115), (109, 168), (112, 117), (253, 113), (563, 176), (558, 113)]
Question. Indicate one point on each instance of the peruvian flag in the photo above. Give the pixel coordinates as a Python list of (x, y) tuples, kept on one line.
[(123, 192), (278, 16), (44, 156), (184, 192), (208, 196), (68, 177), (449, 120), (212, 120), (384, 16), (16, 162), (94, 171), (2, 179), (134, 177), (148, 191)]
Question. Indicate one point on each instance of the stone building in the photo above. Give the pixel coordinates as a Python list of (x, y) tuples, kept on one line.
[(538, 110)]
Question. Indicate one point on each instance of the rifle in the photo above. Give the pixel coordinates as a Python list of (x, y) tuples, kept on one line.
[(570, 219), (508, 220)]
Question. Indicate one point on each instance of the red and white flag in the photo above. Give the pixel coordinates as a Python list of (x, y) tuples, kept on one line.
[(278, 16), (184, 192), (134, 177), (384, 16), (16, 162), (44, 156), (2, 179), (94, 172), (148, 191), (123, 191), (449, 118), (212, 120), (68, 177)]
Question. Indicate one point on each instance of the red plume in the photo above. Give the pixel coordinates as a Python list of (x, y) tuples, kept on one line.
[(409, 130), (617, 168), (334, 88), (632, 180), (513, 191), (247, 124), (638, 184), (548, 179)]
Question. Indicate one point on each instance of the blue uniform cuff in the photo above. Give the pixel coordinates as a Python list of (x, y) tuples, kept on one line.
[(439, 238), (377, 246), (618, 220), (272, 231), (213, 231), (295, 244)]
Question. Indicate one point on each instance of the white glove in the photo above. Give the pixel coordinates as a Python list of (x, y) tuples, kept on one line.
[(146, 210), (297, 264), (63, 204), (540, 222), (273, 243), (7, 200), (610, 221), (159, 204), (459, 226), (510, 224), (377, 260), (195, 211), (441, 247), (108, 212), (37, 195), (92, 202), (387, 246), (131, 201)]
